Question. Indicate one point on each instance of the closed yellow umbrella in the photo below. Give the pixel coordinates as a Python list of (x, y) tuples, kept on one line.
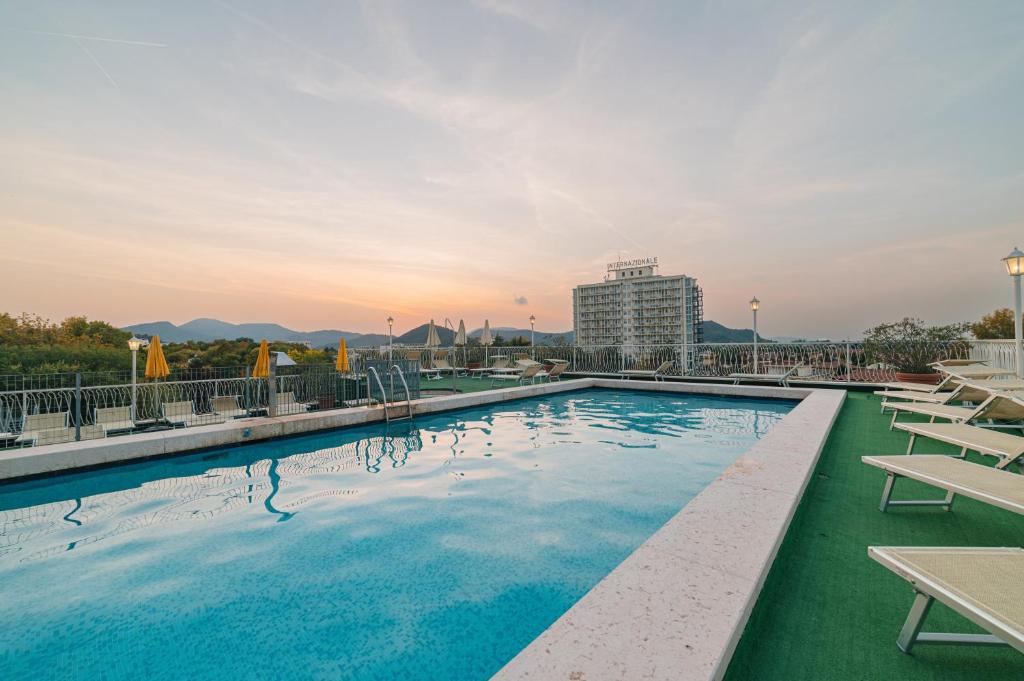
[(262, 368), (156, 365), (342, 363)]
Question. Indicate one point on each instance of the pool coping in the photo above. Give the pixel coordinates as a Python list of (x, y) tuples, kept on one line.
[(677, 606), (674, 609)]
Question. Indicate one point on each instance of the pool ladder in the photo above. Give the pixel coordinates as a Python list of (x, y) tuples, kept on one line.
[(384, 396)]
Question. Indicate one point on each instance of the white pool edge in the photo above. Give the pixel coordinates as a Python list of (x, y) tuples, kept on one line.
[(677, 606)]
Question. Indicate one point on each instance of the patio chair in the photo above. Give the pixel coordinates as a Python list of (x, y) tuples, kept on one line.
[(982, 483), (555, 372), (941, 393), (655, 374), (287, 404), (54, 436), (782, 379), (982, 584), (113, 419), (1004, 446), (184, 414), (227, 406), (33, 423), (528, 373)]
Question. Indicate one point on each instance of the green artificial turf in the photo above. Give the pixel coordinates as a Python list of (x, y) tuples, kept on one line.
[(827, 611)]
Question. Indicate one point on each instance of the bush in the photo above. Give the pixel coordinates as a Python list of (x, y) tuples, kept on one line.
[(909, 346)]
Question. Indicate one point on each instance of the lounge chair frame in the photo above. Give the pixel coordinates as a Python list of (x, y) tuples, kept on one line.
[(781, 379), (896, 467), (928, 590), (657, 374)]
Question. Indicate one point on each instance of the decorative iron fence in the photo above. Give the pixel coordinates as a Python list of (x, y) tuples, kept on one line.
[(38, 409)]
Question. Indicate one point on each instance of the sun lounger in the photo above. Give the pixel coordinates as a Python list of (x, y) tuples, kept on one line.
[(956, 476), (657, 374), (976, 371), (53, 436), (528, 373), (33, 423), (982, 584), (782, 379), (555, 372), (113, 419), (287, 404), (500, 362), (184, 414), (1007, 448), (227, 406), (442, 364), (993, 406), (959, 363)]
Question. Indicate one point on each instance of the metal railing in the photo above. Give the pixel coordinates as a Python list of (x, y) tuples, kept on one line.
[(100, 404)]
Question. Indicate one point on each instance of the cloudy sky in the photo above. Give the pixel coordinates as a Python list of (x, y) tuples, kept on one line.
[(326, 164)]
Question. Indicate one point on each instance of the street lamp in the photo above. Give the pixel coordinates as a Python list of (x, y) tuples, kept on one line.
[(134, 343), (755, 304), (1015, 267), (533, 322), (391, 324)]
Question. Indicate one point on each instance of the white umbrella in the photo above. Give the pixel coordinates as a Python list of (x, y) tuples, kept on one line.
[(460, 337), (486, 340), (433, 340)]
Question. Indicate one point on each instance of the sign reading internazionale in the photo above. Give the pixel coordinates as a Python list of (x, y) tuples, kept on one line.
[(637, 262)]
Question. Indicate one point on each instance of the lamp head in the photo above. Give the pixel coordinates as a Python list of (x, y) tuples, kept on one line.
[(755, 304), (1014, 263), (134, 343)]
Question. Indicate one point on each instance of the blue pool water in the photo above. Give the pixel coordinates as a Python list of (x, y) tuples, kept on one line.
[(436, 550)]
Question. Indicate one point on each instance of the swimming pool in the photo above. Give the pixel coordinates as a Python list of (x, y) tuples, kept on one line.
[(436, 549)]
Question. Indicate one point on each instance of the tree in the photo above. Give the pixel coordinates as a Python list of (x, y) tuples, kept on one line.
[(998, 324), (909, 346)]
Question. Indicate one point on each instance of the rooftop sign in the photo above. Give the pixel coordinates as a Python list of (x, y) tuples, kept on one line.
[(636, 262)]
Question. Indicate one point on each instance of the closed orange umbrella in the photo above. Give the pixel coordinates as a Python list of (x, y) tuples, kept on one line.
[(342, 362), (262, 368), (156, 365)]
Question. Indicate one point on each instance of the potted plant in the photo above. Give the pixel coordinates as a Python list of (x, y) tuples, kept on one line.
[(908, 346)]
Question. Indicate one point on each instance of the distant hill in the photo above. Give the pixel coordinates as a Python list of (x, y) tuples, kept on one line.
[(205, 329), (716, 333)]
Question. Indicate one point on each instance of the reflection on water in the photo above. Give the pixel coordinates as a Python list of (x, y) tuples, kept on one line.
[(502, 518)]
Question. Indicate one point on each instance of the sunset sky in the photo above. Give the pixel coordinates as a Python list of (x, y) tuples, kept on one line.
[(326, 164)]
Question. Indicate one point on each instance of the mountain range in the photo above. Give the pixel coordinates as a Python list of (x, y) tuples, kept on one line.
[(205, 329)]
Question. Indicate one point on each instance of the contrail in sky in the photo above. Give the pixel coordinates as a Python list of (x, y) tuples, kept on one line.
[(77, 37)]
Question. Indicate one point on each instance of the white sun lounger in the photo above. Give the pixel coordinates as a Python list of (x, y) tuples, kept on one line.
[(528, 373), (657, 374), (184, 414), (113, 419), (992, 406), (1007, 448), (989, 485), (782, 379), (227, 406), (982, 584), (555, 372), (287, 404), (53, 436), (33, 423)]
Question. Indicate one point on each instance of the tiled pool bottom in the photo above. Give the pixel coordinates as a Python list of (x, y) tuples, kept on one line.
[(437, 550)]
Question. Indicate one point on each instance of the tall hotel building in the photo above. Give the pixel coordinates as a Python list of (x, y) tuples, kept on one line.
[(636, 306)]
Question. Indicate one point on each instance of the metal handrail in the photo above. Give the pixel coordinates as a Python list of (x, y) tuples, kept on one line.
[(401, 375), (383, 395)]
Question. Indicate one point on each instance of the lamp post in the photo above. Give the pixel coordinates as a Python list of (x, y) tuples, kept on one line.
[(1015, 268), (391, 324), (755, 304), (134, 344), (533, 322)]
